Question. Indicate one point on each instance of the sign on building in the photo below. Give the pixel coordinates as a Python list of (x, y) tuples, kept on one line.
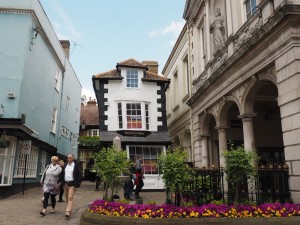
[(26, 147)]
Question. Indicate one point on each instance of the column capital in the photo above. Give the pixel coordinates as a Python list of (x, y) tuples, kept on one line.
[(221, 128), (204, 136), (247, 116)]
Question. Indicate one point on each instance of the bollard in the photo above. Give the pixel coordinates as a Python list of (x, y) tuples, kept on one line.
[(97, 182), (139, 200)]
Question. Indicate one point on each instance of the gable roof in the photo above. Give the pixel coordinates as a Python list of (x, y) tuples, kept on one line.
[(130, 63)]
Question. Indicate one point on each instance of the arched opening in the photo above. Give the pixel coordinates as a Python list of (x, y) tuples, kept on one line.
[(210, 132), (229, 119), (187, 146), (267, 124), (176, 142)]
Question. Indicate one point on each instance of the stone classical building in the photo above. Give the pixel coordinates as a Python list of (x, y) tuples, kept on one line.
[(244, 66), (178, 93), (132, 106)]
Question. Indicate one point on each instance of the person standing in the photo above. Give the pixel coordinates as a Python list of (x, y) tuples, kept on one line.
[(71, 178), (138, 181), (61, 185), (128, 185), (49, 183)]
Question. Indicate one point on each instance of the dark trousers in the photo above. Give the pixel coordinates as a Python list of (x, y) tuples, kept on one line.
[(61, 192), (46, 198), (128, 187), (139, 187)]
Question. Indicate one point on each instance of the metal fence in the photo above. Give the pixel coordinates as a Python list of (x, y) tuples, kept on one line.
[(207, 185)]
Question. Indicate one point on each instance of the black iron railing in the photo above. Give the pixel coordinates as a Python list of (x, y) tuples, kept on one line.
[(207, 185)]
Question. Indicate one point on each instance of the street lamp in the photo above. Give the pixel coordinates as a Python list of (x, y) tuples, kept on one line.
[(83, 125)]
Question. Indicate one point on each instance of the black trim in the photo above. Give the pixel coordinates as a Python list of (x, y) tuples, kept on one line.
[(162, 109), (102, 108)]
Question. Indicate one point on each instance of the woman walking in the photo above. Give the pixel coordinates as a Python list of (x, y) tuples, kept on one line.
[(49, 183)]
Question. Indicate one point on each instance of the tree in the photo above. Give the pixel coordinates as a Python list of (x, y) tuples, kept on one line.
[(111, 162), (240, 164), (88, 141), (176, 173)]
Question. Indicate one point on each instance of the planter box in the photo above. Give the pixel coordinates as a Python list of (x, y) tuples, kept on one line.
[(123, 178), (88, 218)]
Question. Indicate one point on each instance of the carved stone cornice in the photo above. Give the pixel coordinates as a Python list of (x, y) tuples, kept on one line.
[(288, 12), (248, 33), (200, 80)]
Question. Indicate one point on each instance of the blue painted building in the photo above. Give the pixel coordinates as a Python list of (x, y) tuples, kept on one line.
[(40, 95)]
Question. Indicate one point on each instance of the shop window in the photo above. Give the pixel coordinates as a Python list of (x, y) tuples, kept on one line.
[(6, 164), (43, 162), (148, 156), (31, 168)]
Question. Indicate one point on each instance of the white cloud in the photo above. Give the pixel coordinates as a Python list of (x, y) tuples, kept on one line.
[(154, 33), (173, 28), (88, 93), (63, 25)]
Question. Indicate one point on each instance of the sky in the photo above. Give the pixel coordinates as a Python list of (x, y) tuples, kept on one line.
[(105, 32)]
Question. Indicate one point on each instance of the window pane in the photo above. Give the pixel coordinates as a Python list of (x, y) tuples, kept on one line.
[(134, 117)]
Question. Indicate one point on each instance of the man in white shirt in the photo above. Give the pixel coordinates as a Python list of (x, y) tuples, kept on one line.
[(71, 177)]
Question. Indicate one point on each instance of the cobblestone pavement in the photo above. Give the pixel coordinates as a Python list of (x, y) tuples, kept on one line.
[(25, 209)]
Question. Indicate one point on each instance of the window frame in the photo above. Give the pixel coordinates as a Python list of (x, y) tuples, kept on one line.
[(90, 132), (7, 169), (250, 7), (57, 80), (31, 164), (136, 120), (43, 162), (53, 120), (132, 79)]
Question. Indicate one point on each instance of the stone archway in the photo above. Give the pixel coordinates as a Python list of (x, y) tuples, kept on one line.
[(209, 142), (261, 103), (188, 145), (229, 126), (177, 142)]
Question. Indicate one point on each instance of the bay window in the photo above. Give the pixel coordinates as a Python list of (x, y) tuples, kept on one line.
[(133, 115)]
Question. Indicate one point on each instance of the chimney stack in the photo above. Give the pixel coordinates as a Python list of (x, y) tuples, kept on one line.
[(152, 66), (65, 44)]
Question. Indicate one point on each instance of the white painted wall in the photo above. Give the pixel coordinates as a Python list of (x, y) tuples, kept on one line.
[(117, 91)]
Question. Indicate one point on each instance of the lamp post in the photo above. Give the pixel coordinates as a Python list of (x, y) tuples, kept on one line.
[(83, 125)]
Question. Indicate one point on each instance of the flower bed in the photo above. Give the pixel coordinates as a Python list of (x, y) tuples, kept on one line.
[(206, 211)]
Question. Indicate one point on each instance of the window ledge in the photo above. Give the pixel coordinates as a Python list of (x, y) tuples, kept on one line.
[(169, 115), (175, 108), (185, 97)]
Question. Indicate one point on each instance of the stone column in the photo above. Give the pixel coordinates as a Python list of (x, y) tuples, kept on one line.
[(222, 144), (207, 17), (222, 131), (204, 147), (249, 140), (228, 17)]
